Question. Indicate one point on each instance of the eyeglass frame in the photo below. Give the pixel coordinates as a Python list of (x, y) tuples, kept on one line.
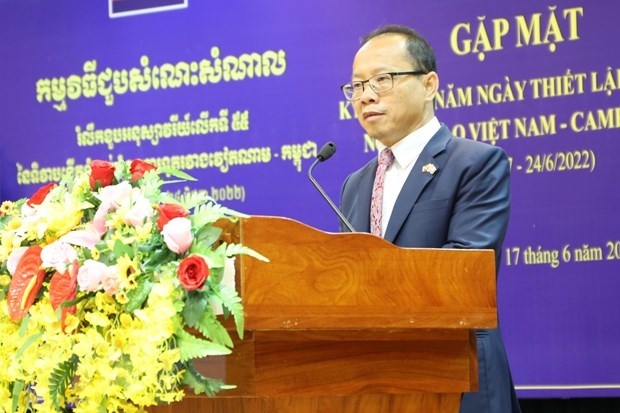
[(392, 74)]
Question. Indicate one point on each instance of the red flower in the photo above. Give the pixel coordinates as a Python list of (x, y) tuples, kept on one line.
[(101, 172), (193, 272), (138, 168), (26, 283), (168, 212), (40, 195), (63, 287)]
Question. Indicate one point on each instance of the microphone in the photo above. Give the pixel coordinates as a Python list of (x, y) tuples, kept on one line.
[(325, 153)]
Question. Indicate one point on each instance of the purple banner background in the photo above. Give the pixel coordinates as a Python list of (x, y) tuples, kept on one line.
[(559, 321)]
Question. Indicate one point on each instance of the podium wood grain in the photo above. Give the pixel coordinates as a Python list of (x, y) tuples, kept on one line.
[(350, 323)]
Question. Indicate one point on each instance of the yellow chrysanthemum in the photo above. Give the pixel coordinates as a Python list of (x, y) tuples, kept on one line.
[(71, 323), (128, 269), (13, 224), (127, 321), (170, 357), (6, 207), (81, 187), (121, 297), (61, 221), (105, 305), (115, 220), (95, 254), (8, 242), (143, 232), (54, 218), (97, 320)]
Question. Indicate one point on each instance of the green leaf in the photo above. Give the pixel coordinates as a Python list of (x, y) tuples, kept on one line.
[(195, 305), (121, 249), (71, 303), (138, 295), (60, 379), (190, 199), (208, 234), (18, 387), (230, 300), (27, 344), (150, 185), (157, 257), (216, 274), (121, 170), (211, 212), (237, 249), (192, 347), (201, 384), (212, 329), (23, 327), (218, 256), (176, 173)]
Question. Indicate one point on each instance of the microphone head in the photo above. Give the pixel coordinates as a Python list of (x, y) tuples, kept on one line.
[(326, 151)]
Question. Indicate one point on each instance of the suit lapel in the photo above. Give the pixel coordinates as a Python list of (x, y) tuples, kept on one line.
[(360, 220), (417, 180)]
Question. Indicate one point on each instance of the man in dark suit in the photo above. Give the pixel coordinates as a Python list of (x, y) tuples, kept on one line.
[(437, 191)]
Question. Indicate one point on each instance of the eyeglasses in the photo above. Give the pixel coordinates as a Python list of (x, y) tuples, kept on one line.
[(379, 84)]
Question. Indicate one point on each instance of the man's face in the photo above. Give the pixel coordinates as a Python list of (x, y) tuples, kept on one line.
[(394, 114)]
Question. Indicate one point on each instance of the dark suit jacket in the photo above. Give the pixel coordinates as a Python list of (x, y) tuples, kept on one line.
[(464, 204)]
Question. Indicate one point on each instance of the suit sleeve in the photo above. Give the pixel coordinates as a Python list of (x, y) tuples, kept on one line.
[(482, 208)]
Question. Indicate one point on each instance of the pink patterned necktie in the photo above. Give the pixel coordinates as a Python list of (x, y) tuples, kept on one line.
[(376, 205)]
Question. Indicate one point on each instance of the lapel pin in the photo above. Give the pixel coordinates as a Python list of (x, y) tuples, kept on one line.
[(430, 168)]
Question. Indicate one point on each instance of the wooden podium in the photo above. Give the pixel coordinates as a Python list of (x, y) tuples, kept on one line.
[(349, 323)]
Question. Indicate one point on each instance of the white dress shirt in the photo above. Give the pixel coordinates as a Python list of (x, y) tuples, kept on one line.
[(406, 153)]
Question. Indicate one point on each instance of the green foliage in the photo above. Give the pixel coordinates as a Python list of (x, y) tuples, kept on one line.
[(238, 249), (18, 386), (151, 185), (183, 176), (24, 325), (121, 249), (201, 384), (138, 295), (216, 274), (60, 379), (155, 258), (195, 305), (33, 338), (209, 213), (190, 200), (207, 236), (231, 302), (212, 329), (121, 170), (192, 347)]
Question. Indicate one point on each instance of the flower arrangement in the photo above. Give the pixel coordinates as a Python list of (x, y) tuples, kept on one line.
[(109, 289)]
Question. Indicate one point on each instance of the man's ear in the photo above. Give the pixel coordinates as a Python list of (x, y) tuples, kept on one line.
[(431, 85)]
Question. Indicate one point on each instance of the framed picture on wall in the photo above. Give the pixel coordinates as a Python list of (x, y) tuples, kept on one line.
[(122, 8)]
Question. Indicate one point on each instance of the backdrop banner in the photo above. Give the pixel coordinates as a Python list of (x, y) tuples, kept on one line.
[(242, 95)]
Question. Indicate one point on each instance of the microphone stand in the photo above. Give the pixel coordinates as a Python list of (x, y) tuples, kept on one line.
[(329, 201)]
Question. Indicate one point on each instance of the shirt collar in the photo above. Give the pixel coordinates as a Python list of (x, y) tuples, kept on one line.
[(410, 147)]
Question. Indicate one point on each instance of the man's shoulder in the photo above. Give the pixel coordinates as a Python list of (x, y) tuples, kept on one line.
[(462, 152), (465, 144), (470, 144), (367, 168)]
